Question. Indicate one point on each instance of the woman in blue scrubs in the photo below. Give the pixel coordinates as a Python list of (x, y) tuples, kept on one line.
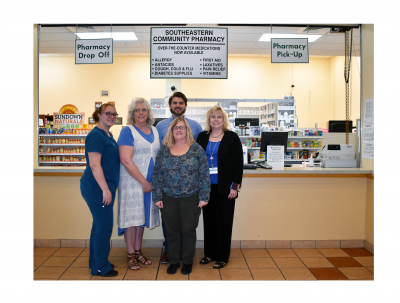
[(98, 186)]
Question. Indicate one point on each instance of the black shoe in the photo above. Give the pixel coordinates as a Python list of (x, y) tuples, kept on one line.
[(172, 269), (111, 273), (112, 266), (186, 269), (219, 265)]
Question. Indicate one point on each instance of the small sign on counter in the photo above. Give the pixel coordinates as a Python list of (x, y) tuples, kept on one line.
[(275, 156), (189, 52)]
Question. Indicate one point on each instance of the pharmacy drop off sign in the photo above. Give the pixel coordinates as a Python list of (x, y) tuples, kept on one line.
[(94, 51)]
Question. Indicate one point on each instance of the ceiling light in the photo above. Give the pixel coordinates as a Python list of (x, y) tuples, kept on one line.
[(117, 36), (311, 38)]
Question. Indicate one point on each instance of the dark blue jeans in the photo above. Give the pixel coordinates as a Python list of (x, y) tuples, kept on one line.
[(101, 230)]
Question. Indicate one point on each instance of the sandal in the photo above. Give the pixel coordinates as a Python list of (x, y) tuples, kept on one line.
[(132, 262), (205, 260), (219, 265), (142, 259)]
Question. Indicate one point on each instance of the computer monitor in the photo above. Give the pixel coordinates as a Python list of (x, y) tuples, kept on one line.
[(243, 121), (156, 120), (273, 138), (339, 126)]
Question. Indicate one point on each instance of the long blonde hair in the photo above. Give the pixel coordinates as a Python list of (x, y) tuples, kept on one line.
[(169, 138), (132, 106), (212, 110)]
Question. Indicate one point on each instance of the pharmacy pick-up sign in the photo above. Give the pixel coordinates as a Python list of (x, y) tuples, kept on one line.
[(293, 50), (94, 51)]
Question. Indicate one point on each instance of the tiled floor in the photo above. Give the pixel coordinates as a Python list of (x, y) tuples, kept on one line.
[(244, 264)]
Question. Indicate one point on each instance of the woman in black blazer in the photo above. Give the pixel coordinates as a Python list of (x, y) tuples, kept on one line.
[(225, 160)]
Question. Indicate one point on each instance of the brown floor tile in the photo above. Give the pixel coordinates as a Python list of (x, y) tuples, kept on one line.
[(281, 253), (235, 274), (356, 273), (365, 261), (307, 252), (344, 262), (205, 274), (118, 252), (77, 273), (332, 252), (120, 276), (39, 260), (69, 252), (236, 253), (44, 251), (260, 263), (142, 274), (255, 253), (289, 263), (35, 267), (81, 262), (152, 252), (299, 274), (162, 275), (328, 274), (59, 261), (357, 252), (85, 253), (49, 272), (119, 261), (370, 268), (236, 263), (196, 264), (267, 274), (316, 262)]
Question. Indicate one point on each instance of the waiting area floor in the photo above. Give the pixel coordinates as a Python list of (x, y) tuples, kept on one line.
[(64, 263)]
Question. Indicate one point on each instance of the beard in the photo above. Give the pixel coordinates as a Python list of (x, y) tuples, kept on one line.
[(175, 113)]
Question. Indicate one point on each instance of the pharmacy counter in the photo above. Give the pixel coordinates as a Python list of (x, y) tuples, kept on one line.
[(280, 204)]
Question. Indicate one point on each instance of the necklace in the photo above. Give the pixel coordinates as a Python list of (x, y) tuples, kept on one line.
[(216, 136), (212, 153)]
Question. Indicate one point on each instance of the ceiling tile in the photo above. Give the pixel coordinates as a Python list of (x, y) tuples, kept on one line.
[(128, 50), (122, 44), (143, 36), (264, 45), (57, 44), (260, 51), (57, 36), (58, 29), (245, 30), (240, 44), (243, 37)]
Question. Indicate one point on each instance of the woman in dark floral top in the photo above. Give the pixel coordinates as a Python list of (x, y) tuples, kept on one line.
[(181, 187)]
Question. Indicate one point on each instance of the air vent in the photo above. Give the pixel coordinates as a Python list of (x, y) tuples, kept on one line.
[(313, 30), (84, 29)]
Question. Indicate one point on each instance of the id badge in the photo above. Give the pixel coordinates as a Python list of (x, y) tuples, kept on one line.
[(213, 170)]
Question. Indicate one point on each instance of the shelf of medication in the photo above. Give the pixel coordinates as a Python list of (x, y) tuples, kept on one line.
[(304, 137), (63, 144), (302, 148), (61, 154), (59, 162), (63, 135)]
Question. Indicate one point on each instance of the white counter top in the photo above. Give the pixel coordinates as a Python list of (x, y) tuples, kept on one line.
[(278, 171)]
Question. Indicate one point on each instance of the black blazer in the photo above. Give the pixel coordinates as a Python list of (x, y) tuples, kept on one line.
[(230, 160)]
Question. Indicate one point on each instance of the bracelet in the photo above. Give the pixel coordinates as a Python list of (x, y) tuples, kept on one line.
[(236, 186)]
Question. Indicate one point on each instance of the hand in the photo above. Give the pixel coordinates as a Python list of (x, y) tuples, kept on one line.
[(232, 194), (202, 203), (146, 187), (107, 197), (159, 204)]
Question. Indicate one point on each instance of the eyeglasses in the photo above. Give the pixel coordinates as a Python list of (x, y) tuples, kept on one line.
[(143, 110), (179, 127), (108, 114)]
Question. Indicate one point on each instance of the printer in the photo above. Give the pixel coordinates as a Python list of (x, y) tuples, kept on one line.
[(338, 155)]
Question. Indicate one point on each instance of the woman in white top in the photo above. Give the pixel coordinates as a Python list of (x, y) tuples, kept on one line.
[(138, 145)]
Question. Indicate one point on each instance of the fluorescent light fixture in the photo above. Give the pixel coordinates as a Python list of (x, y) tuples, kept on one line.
[(117, 36), (311, 38)]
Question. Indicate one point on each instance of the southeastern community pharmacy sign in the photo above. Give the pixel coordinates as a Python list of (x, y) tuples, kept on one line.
[(189, 52), (94, 51)]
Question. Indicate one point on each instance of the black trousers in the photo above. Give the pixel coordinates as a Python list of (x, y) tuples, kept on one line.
[(218, 222), (181, 215)]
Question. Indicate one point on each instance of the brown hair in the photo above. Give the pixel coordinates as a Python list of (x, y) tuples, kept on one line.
[(169, 138), (100, 110), (179, 95)]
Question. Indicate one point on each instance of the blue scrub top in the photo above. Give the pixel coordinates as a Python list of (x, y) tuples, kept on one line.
[(162, 127), (98, 141)]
